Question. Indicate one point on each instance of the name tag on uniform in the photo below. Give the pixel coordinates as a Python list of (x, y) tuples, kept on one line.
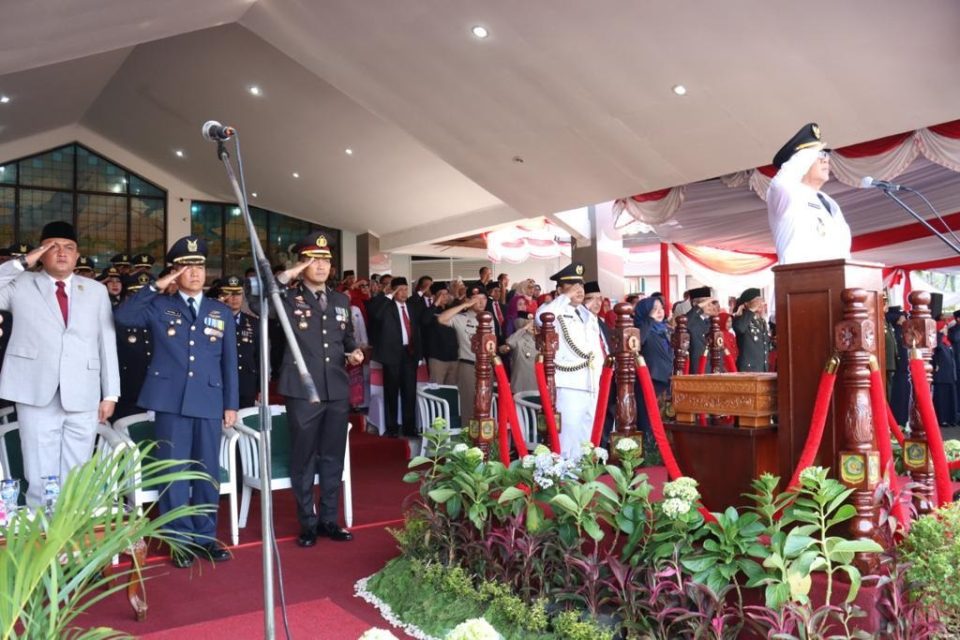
[(814, 205), (172, 312)]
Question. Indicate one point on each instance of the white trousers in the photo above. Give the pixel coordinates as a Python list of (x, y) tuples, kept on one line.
[(576, 409), (53, 442)]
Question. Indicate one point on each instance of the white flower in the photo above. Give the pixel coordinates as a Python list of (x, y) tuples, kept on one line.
[(551, 468), (460, 448), (601, 454), (586, 447), (474, 629), (541, 449), (377, 633), (528, 461), (952, 449), (675, 507), (683, 488), (626, 444)]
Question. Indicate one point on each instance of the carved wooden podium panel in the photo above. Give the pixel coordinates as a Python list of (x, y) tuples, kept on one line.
[(808, 306)]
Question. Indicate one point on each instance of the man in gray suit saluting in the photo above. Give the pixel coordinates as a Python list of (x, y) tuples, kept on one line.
[(60, 367)]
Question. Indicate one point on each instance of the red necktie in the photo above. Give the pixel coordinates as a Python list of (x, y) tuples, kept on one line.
[(62, 300), (406, 324), (497, 311)]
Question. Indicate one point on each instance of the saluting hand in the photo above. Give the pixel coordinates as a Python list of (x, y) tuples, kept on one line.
[(294, 271), (169, 279), (34, 256)]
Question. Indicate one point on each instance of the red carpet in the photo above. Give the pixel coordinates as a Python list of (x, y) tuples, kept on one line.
[(317, 619), (221, 594)]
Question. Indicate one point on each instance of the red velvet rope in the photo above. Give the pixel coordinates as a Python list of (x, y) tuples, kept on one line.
[(817, 422), (686, 366), (548, 414), (894, 427), (601, 413), (953, 466), (928, 417), (502, 419), (878, 403), (653, 412), (508, 414)]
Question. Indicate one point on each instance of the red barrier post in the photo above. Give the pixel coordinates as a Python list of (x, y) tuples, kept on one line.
[(680, 341), (859, 461), (920, 332), (715, 345), (626, 348), (484, 345)]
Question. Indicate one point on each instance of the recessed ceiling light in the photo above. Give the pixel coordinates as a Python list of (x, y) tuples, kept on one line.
[(4, 99), (296, 175), (179, 153), (254, 194), (480, 32), (679, 89), (254, 90), (348, 151)]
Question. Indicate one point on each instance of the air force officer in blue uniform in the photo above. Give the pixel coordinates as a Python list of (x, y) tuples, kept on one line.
[(191, 383)]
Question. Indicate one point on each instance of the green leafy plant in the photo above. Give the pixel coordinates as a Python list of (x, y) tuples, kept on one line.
[(728, 550), (932, 551), (50, 567)]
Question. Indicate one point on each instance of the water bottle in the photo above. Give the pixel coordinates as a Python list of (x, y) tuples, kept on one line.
[(9, 494), (51, 491)]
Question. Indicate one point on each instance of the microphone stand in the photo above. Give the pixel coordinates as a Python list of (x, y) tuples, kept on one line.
[(903, 205), (267, 282)]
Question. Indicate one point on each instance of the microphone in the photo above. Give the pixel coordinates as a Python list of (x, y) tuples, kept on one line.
[(216, 132), (869, 182)]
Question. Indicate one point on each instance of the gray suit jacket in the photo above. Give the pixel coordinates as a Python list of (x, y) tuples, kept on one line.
[(43, 355)]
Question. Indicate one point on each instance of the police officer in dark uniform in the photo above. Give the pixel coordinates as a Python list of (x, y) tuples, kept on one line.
[(248, 341), (320, 317), (122, 262), (141, 263), (753, 336), (134, 348), (85, 267), (698, 324), (191, 385), (110, 277)]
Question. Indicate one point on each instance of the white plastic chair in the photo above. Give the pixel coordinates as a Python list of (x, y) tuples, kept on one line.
[(528, 408), (280, 478), (228, 484), (430, 406)]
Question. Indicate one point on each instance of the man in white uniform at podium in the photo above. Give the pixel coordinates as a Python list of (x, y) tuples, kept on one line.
[(807, 224)]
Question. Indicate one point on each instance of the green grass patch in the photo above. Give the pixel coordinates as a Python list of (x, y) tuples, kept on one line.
[(437, 599)]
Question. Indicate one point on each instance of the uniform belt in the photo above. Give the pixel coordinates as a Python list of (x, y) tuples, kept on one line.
[(465, 361)]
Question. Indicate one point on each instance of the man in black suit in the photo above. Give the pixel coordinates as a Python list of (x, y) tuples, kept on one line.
[(322, 323), (496, 309), (420, 297), (381, 298), (398, 348), (440, 346)]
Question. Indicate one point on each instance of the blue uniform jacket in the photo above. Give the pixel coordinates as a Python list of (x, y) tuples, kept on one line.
[(193, 372)]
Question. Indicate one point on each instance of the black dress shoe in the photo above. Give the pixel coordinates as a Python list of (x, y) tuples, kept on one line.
[(307, 538), (334, 532), (215, 553), (182, 559)]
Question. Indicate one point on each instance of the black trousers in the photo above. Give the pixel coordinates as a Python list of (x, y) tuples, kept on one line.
[(318, 440), (400, 381)]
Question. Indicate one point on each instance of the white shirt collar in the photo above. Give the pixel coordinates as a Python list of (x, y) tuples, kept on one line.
[(65, 281), (185, 298)]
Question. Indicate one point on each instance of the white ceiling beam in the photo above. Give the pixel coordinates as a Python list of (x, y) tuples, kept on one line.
[(450, 227)]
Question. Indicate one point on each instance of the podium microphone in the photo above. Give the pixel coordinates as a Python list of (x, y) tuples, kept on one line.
[(216, 132), (869, 182)]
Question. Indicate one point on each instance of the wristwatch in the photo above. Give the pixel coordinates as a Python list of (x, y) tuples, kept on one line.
[(23, 262)]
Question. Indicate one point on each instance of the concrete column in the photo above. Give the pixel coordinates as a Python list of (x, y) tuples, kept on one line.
[(368, 245), (603, 257)]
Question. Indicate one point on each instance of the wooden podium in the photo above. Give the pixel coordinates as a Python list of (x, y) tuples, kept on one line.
[(808, 307)]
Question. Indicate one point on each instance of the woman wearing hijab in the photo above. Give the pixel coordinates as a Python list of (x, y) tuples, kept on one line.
[(729, 337), (656, 351)]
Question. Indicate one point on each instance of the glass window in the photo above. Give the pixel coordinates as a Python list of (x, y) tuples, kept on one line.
[(113, 210), (237, 248), (53, 170), (140, 187), (147, 227), (285, 233), (206, 221), (8, 201), (102, 226), (38, 207), (8, 173)]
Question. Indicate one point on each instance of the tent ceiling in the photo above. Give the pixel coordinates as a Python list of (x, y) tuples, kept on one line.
[(581, 91)]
